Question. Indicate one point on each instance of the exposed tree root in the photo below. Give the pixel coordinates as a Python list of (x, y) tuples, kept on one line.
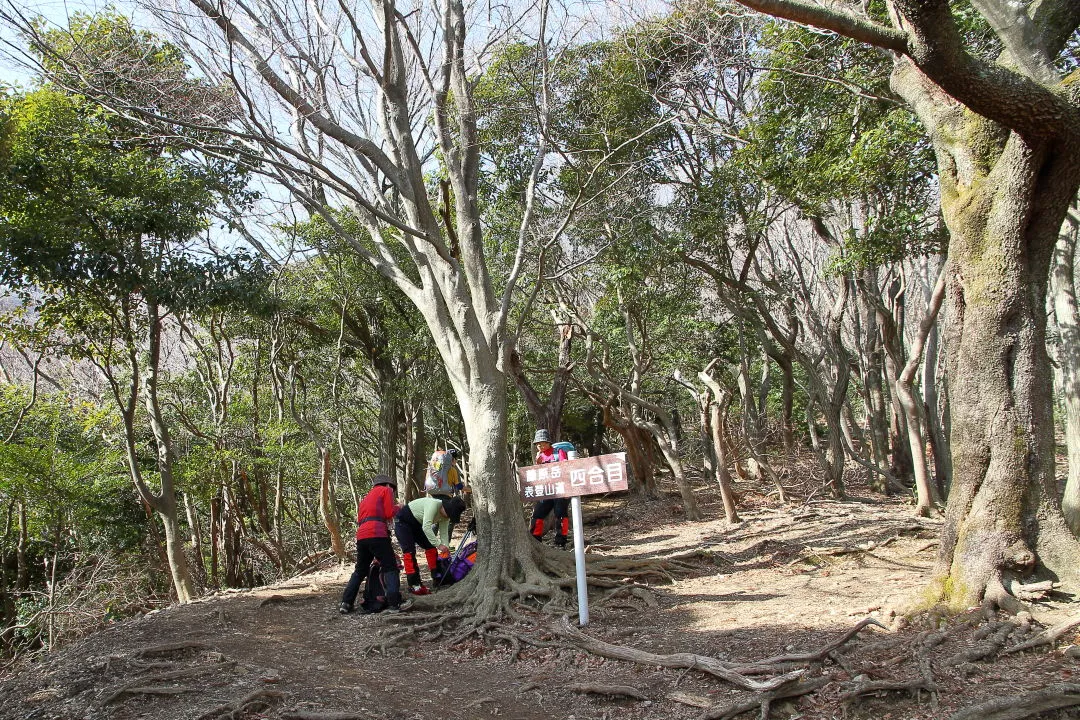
[(161, 690), (246, 706), (143, 682), (1014, 707), (763, 701), (706, 664), (996, 635), (321, 715), (472, 607), (996, 596), (1033, 591), (1046, 637)]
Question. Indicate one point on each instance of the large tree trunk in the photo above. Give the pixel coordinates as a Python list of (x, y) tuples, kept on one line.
[(714, 404), (511, 557), (639, 452), (547, 413), (1003, 514), (870, 361), (905, 393), (935, 431), (1063, 281), (389, 426)]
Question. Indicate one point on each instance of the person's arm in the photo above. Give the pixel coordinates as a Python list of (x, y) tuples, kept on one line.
[(444, 532), (389, 506)]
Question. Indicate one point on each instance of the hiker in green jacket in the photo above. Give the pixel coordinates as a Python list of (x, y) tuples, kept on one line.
[(414, 525)]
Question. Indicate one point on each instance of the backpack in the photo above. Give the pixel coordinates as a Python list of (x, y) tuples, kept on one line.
[(374, 590), (566, 447), (442, 476), (460, 565)]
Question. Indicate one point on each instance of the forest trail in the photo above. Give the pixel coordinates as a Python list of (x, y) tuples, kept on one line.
[(785, 580)]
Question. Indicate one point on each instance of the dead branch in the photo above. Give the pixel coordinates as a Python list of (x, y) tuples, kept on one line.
[(169, 649), (161, 690), (764, 700), (869, 687), (769, 664), (1046, 637), (706, 664), (319, 715), (811, 553), (1014, 707), (1033, 591), (610, 690), (690, 699)]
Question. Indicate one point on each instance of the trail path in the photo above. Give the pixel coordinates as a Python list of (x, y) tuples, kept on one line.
[(786, 580)]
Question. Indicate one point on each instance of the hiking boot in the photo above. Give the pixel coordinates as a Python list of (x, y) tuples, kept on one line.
[(420, 590), (344, 608), (559, 541), (393, 609)]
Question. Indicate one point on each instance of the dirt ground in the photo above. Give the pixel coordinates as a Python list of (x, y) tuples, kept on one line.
[(788, 580)]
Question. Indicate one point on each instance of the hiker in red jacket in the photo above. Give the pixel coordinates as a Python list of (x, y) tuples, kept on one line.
[(375, 512), (545, 453)]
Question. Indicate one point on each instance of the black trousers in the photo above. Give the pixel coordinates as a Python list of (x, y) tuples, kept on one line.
[(380, 549)]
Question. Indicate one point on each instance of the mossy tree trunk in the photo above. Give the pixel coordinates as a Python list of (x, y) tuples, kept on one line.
[(1003, 515)]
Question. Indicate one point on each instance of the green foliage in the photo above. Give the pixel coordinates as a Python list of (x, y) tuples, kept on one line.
[(86, 210), (59, 467), (828, 131)]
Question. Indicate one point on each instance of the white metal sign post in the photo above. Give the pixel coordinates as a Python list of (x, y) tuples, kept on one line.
[(579, 563), (571, 479)]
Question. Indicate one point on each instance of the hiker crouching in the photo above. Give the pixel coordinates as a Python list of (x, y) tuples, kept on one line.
[(373, 516), (413, 525)]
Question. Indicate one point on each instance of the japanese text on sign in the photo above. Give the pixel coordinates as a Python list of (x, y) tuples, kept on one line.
[(569, 478)]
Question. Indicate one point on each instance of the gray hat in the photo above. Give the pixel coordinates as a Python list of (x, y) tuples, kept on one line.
[(383, 480), (541, 436)]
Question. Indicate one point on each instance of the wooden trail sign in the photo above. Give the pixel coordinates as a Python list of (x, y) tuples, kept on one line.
[(573, 478)]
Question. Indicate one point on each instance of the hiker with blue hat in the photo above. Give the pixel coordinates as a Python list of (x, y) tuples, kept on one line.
[(547, 453)]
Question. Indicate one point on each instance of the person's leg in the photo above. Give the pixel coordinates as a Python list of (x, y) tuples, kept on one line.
[(384, 552), (363, 561), (540, 511), (430, 553), (562, 521), (408, 531)]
